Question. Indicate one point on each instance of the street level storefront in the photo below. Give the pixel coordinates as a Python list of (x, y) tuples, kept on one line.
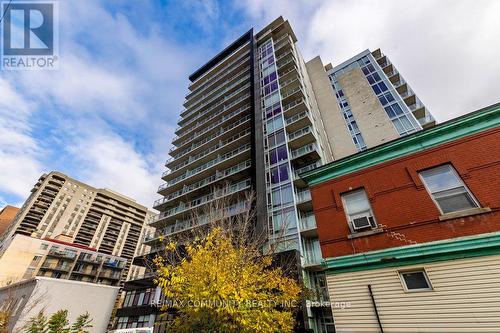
[(411, 230)]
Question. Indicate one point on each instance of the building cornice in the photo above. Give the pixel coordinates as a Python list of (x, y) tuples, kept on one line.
[(454, 129), (450, 249)]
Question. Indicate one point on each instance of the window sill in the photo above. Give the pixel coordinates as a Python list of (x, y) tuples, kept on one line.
[(464, 213), (365, 233)]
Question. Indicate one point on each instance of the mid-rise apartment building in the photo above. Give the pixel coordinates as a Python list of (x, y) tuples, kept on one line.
[(409, 230), (255, 117), (64, 209), (25, 257), (7, 215)]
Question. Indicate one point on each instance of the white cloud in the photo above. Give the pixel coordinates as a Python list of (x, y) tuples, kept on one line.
[(19, 152), (106, 160), (447, 50)]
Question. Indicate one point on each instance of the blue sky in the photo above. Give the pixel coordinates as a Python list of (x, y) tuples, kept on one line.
[(107, 116)]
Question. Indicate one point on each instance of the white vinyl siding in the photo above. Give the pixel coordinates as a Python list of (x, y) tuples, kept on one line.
[(465, 298)]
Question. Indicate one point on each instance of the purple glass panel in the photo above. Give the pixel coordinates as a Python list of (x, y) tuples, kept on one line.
[(270, 60), (267, 90), (283, 172), (274, 156), (277, 109), (282, 153), (272, 76), (266, 80), (275, 176), (274, 86)]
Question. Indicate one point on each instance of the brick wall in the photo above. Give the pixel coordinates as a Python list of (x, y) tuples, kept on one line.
[(401, 203)]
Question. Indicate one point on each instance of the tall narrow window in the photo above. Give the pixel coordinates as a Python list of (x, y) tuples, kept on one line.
[(447, 189), (358, 210)]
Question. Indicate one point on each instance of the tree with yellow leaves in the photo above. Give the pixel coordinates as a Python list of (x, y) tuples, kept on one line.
[(223, 282)]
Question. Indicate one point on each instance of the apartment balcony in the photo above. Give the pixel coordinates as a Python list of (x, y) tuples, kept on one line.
[(85, 271), (427, 121), (309, 152), (201, 201), (205, 103), (303, 196), (294, 107), (377, 54), (308, 226), (209, 123), (312, 260), (282, 45), (56, 267), (301, 137), (239, 88), (62, 254), (221, 80), (221, 162), (114, 263), (298, 121), (192, 189), (110, 275), (220, 147), (298, 181), (90, 259), (290, 73), (223, 136), (186, 224), (418, 109), (285, 62), (212, 75), (226, 107)]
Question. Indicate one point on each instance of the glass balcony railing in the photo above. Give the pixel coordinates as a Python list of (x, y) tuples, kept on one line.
[(220, 94), (299, 133), (303, 196), (183, 225), (219, 133), (307, 222), (226, 70), (211, 111), (304, 150), (215, 177), (207, 198), (306, 168), (293, 104), (209, 83), (205, 166), (193, 135)]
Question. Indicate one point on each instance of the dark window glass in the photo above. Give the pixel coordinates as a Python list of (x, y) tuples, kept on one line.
[(283, 172), (274, 86), (272, 76), (376, 77), (397, 109), (370, 68), (282, 153), (365, 71), (376, 89), (274, 156), (382, 86), (341, 93), (275, 176), (415, 280), (389, 111)]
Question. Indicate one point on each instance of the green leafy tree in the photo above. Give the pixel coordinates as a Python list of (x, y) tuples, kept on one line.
[(37, 324), (82, 323), (58, 322)]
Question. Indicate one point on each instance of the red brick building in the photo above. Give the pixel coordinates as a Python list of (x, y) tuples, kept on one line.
[(410, 230), (400, 201)]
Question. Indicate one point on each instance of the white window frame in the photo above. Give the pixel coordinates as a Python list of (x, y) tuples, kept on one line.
[(415, 270), (348, 217), (450, 166)]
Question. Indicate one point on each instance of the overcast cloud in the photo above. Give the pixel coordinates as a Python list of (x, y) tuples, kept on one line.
[(107, 115)]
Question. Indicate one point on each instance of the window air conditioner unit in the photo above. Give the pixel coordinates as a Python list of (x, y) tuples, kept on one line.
[(363, 222)]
